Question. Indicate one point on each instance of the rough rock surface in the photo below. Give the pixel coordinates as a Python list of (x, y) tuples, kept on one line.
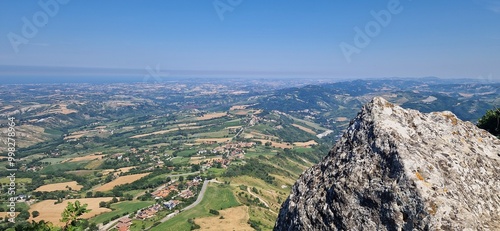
[(397, 169)]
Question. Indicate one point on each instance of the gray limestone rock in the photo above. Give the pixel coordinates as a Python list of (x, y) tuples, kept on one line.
[(398, 169)]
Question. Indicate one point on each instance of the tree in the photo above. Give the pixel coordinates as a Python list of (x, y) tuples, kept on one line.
[(491, 122), (37, 226), (35, 214), (181, 178), (23, 215), (71, 214), (89, 194)]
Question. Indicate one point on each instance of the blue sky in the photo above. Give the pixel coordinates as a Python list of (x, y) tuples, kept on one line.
[(253, 37)]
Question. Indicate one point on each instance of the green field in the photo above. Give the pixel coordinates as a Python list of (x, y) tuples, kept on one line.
[(121, 208), (231, 123), (180, 160), (68, 166), (52, 160), (216, 197), (216, 171), (6, 180), (217, 134), (187, 153)]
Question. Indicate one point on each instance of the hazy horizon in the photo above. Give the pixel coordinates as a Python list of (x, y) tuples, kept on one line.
[(326, 39)]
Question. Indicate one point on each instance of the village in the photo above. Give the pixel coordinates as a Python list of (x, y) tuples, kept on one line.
[(167, 197)]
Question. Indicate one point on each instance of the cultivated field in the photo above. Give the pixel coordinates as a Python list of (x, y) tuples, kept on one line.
[(166, 131), (197, 160), (242, 112), (89, 157), (234, 219), (260, 135), (275, 144), (6, 214), (52, 212), (308, 130), (76, 135), (211, 116), (59, 186), (118, 171), (62, 109), (238, 107), (120, 180), (233, 127), (305, 144), (209, 140), (341, 119)]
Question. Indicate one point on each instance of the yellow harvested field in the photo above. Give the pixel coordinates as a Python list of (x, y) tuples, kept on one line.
[(197, 160), (121, 180), (76, 135), (118, 171), (166, 131), (210, 140), (59, 186), (305, 144), (52, 212), (238, 107), (234, 219), (308, 130), (341, 119), (247, 112), (211, 116), (89, 157), (62, 110), (276, 144), (6, 214), (65, 110)]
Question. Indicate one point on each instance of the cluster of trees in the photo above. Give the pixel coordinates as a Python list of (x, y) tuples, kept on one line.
[(491, 122), (254, 168)]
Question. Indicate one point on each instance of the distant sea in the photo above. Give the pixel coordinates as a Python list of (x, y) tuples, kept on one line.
[(69, 79)]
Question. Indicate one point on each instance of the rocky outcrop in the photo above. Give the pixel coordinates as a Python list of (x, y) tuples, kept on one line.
[(397, 169)]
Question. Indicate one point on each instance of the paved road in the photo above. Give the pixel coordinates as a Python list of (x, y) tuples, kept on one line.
[(198, 200), (110, 224)]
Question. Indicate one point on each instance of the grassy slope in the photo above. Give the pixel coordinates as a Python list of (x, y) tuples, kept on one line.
[(215, 198)]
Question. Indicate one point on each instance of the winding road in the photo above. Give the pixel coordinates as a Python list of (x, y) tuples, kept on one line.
[(198, 200)]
